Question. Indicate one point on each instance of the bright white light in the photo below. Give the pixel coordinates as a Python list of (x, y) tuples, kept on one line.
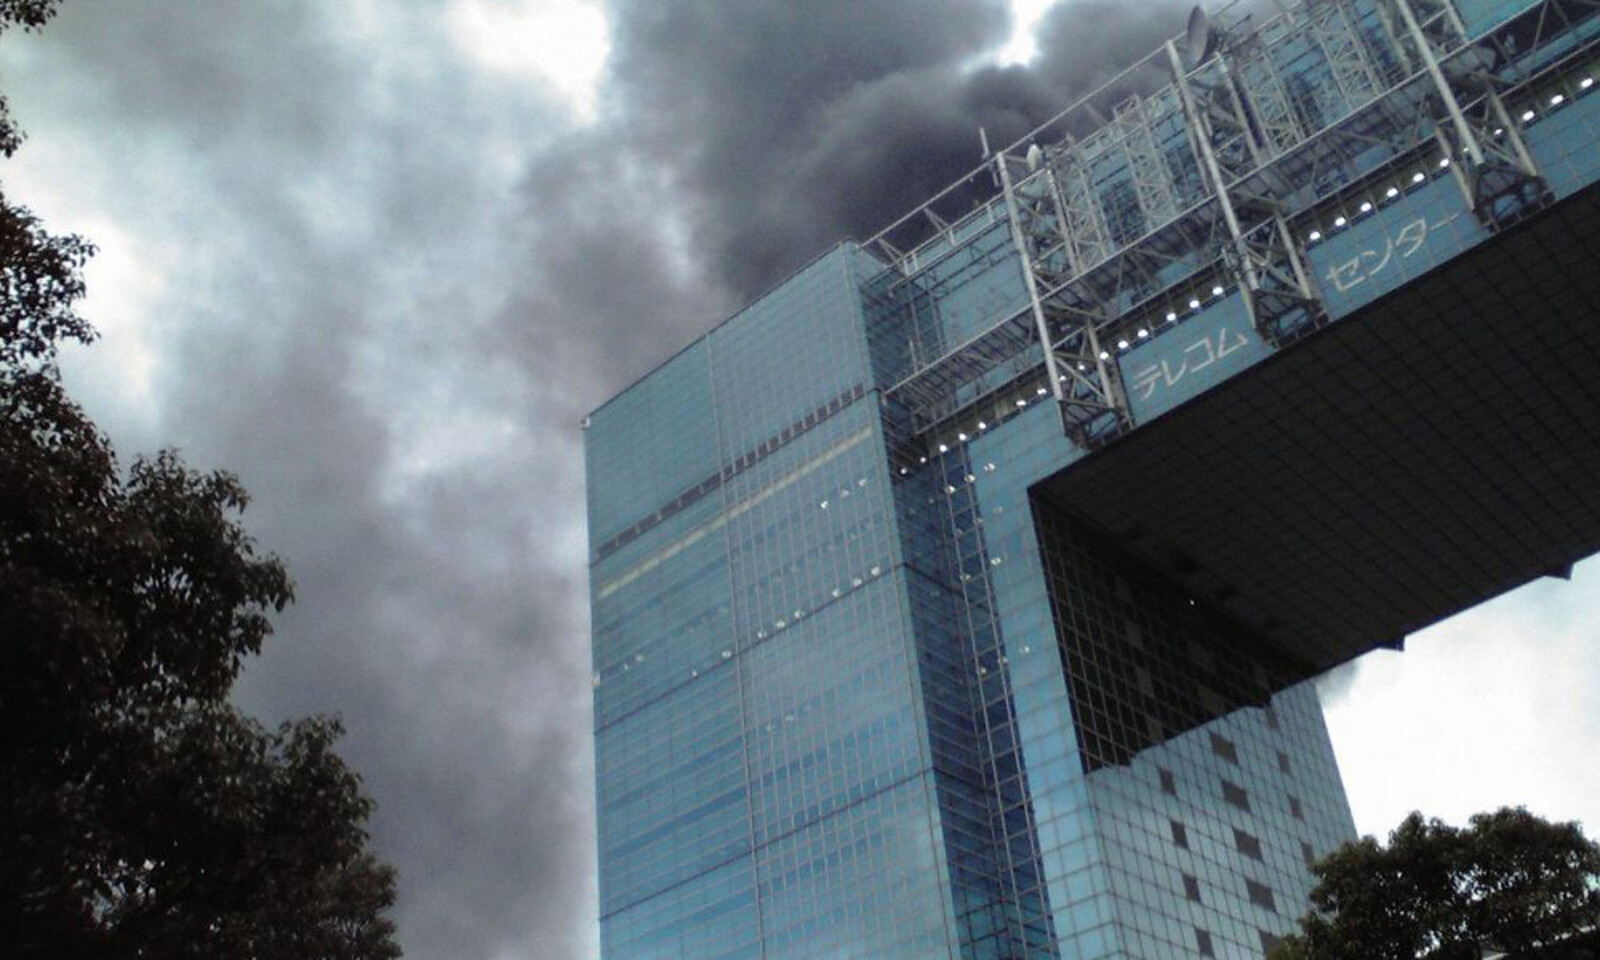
[(1366, 206), (1418, 177), (1586, 83), (562, 44), (1022, 403), (982, 425), (1216, 291), (1172, 317), (962, 437), (1025, 16), (1392, 192), (1194, 304), (943, 448), (1558, 100), (1104, 355), (1444, 162), (1122, 344), (1528, 115), (1144, 334), (1340, 221), (1041, 391), (1315, 236)]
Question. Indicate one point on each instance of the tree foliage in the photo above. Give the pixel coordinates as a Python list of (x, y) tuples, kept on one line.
[(1509, 881), (143, 815)]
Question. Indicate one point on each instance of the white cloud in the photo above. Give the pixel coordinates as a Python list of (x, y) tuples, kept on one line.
[(1497, 706), (562, 43)]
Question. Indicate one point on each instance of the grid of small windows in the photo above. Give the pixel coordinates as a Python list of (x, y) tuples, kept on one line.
[(1144, 662), (1136, 881), (1155, 903), (757, 693), (955, 296)]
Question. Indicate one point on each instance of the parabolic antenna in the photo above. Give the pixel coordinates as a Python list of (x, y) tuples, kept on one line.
[(1203, 39)]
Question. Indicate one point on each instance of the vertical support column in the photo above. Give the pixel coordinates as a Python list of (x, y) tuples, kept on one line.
[(1151, 179), (1201, 133), (1501, 180), (1278, 292), (1086, 398), (1334, 33), (1065, 327), (1030, 281)]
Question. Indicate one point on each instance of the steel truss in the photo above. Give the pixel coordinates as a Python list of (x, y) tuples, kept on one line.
[(1265, 259), (1087, 389), (1497, 172), (1403, 74)]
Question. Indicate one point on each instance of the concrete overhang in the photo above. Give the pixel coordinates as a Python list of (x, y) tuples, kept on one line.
[(1438, 448)]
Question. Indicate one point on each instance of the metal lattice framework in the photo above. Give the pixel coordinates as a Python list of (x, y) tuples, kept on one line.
[(1199, 177)]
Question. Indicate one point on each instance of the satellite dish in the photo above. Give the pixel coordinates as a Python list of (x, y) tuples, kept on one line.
[(1202, 39), (1035, 156)]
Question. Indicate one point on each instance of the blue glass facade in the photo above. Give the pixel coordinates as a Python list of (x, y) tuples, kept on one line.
[(865, 687), (832, 718)]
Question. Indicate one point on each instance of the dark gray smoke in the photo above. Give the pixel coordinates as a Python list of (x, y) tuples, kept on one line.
[(792, 129)]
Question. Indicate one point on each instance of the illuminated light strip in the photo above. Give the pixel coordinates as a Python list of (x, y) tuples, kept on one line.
[(721, 520)]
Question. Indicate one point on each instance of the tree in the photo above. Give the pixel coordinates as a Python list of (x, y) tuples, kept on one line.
[(143, 815), (1511, 882)]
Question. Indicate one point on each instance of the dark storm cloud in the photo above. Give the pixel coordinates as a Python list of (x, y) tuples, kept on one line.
[(795, 129), (394, 282), (343, 252)]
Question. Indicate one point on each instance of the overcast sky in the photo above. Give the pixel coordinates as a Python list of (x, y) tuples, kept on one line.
[(379, 257)]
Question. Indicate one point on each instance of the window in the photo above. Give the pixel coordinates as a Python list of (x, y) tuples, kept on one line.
[(1260, 895), (1234, 794), (1180, 836), (1295, 810), (1224, 748), (1269, 940), (1283, 761), (1202, 941), (1191, 888), (1169, 783), (1272, 719), (1307, 855), (1247, 844)]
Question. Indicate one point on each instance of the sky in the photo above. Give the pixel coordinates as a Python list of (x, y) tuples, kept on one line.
[(379, 257)]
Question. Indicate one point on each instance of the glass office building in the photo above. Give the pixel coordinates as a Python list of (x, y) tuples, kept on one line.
[(844, 712), (873, 677)]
